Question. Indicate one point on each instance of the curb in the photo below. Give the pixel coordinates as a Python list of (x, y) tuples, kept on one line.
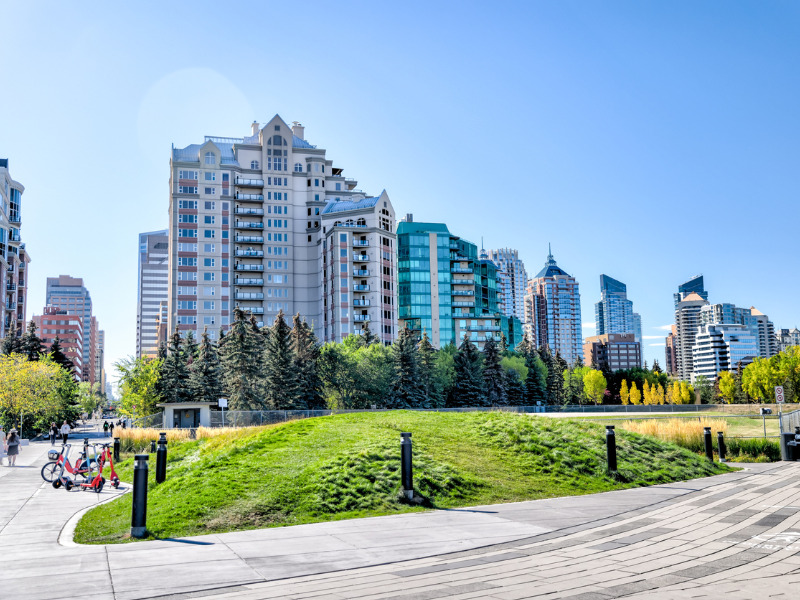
[(67, 533)]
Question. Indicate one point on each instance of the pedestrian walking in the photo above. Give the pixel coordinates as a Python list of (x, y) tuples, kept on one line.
[(12, 445), (65, 429), (111, 428), (2, 444), (53, 433), (105, 428)]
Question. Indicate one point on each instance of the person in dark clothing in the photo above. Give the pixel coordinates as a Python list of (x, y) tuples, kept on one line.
[(53, 433), (105, 428), (111, 428)]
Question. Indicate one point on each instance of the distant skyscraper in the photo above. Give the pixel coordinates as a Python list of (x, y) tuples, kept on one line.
[(786, 338), (612, 351), (153, 289), (515, 279), (68, 328), (553, 311), (69, 294), (687, 322), (693, 286), (13, 278), (757, 322), (721, 348), (614, 313), (671, 365)]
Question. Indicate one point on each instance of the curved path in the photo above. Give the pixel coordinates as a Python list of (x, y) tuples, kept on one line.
[(736, 535)]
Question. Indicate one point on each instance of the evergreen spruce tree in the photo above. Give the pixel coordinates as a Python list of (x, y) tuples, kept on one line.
[(525, 347), (308, 383), (175, 373), (656, 366), (191, 348), (427, 366), (280, 384), (241, 365), (493, 376), (515, 388), (407, 388), (12, 342), (205, 376), (468, 388), (562, 366), (502, 344), (536, 382), (30, 343), (162, 351), (57, 355), (367, 337), (555, 379)]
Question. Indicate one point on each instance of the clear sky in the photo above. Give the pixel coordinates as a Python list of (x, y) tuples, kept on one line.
[(650, 141)]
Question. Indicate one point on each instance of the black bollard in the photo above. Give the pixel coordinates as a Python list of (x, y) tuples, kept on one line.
[(116, 449), (721, 444), (709, 445), (611, 448), (152, 446), (139, 509), (161, 458), (86, 448), (406, 467)]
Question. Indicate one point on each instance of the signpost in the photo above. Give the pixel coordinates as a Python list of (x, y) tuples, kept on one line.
[(223, 404), (779, 401)]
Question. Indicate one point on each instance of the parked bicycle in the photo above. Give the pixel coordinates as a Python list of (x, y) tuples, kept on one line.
[(59, 462)]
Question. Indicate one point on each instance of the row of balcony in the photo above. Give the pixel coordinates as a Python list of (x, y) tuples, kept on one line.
[(250, 182), (361, 288), (248, 211), (360, 257), (460, 270), (360, 302), (358, 318), (483, 328), (249, 253), (462, 293), (463, 282), (360, 272), (249, 225), (258, 197), (250, 239), (248, 295), (248, 281), (243, 267), (361, 243)]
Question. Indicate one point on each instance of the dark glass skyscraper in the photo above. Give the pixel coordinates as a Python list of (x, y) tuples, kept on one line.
[(614, 313)]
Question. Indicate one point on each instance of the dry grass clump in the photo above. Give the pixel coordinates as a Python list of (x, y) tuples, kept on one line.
[(684, 432), (138, 440)]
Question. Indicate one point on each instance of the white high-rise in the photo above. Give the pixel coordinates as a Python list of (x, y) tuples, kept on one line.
[(251, 222), (514, 280), (152, 289)]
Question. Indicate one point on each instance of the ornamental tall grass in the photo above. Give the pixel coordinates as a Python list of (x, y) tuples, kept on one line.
[(138, 440), (687, 433)]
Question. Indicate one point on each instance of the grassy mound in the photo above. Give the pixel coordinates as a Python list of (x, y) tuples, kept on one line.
[(348, 466)]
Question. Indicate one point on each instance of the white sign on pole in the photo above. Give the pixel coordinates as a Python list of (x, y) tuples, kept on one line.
[(222, 403), (779, 394)]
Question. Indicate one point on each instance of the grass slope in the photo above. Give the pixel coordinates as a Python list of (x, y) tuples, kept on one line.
[(348, 466)]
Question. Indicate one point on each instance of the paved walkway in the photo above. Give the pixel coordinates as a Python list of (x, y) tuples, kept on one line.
[(736, 535)]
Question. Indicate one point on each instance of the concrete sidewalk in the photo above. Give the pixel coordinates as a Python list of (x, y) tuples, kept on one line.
[(606, 545)]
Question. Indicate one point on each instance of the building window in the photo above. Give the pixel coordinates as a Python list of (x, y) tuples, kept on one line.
[(209, 219), (210, 191), (210, 176), (254, 164), (298, 168), (210, 158), (211, 205)]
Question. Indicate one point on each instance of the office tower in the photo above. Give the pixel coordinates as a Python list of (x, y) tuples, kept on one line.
[(249, 227), (553, 311), (445, 290), (670, 359), (152, 289), (687, 322), (722, 347), (99, 360), (514, 279), (693, 286), (614, 313), (757, 322), (68, 328), (612, 351), (69, 294), (786, 338), (14, 258)]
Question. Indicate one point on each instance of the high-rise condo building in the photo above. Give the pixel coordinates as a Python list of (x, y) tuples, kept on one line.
[(553, 311), (765, 334), (693, 286), (446, 290), (757, 322), (252, 224), (687, 322), (670, 359), (514, 279), (612, 351), (722, 347), (152, 289), (786, 338), (69, 294), (614, 313), (68, 328), (14, 258)]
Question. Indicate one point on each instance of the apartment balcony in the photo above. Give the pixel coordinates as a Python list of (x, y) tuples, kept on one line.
[(256, 310), (463, 293), (248, 296), (463, 282), (249, 239), (10, 305), (483, 328), (360, 302), (248, 211), (250, 182), (14, 237), (360, 272), (361, 288), (11, 287), (463, 304), (14, 219), (241, 267), (360, 318), (453, 246), (250, 253), (254, 197), (458, 258), (460, 270), (360, 257), (249, 225), (248, 281), (361, 243)]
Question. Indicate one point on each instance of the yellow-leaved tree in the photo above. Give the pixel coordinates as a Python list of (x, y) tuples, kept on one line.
[(624, 394), (727, 386), (636, 395), (594, 385)]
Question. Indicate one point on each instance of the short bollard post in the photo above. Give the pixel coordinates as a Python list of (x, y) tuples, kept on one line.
[(116, 449), (709, 445), (406, 468), (161, 458), (152, 446), (139, 510), (611, 448), (86, 447), (721, 444)]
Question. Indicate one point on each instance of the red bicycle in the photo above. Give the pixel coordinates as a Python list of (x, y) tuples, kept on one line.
[(59, 462)]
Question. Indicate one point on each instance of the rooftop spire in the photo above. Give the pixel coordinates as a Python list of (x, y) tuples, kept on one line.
[(550, 260)]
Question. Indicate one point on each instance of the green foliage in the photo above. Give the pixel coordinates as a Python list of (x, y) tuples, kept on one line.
[(594, 384), (279, 383), (308, 383), (574, 392), (174, 380), (494, 381), (12, 342), (468, 389), (205, 377), (407, 390), (240, 356), (57, 356), (30, 343), (705, 387), (139, 385)]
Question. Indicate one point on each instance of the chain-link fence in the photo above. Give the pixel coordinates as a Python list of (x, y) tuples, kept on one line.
[(154, 420), (789, 421)]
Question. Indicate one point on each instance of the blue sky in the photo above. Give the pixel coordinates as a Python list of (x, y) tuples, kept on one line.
[(650, 141)]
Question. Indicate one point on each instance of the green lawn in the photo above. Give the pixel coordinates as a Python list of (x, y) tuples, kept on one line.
[(347, 466)]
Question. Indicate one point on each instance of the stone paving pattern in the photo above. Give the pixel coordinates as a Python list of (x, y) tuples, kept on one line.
[(734, 535)]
